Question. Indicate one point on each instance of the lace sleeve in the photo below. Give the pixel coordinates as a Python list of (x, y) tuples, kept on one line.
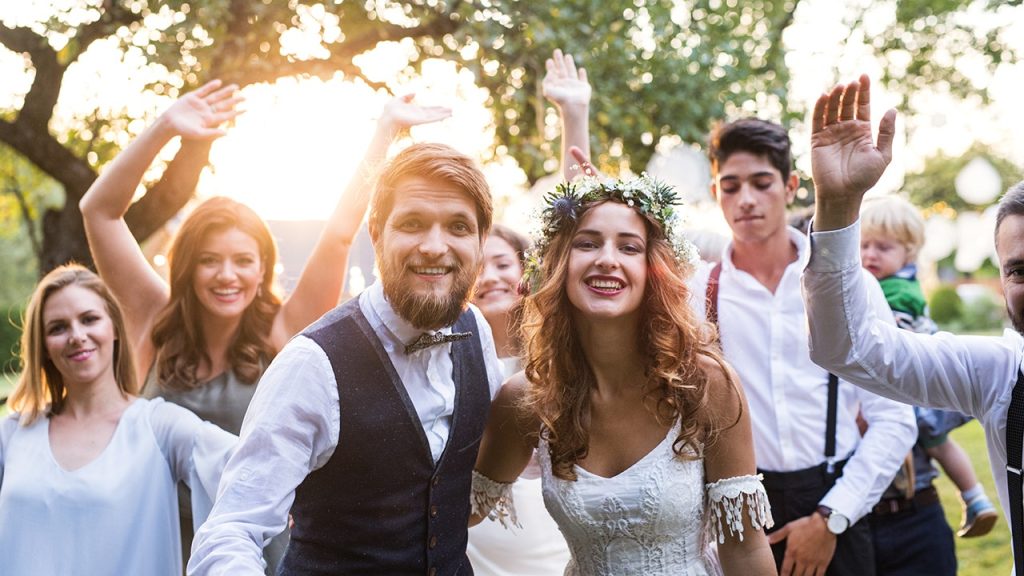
[(493, 499), (726, 501)]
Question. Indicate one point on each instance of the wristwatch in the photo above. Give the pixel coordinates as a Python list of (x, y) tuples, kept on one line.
[(834, 521)]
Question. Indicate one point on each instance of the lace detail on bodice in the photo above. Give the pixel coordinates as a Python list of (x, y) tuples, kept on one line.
[(646, 520), (726, 500)]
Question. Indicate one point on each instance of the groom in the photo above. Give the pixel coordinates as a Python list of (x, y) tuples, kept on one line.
[(366, 426)]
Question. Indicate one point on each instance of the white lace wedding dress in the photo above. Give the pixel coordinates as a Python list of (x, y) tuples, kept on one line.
[(657, 518)]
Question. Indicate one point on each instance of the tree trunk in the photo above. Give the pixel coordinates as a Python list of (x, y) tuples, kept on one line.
[(64, 236)]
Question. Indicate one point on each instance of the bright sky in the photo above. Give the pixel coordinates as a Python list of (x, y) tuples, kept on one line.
[(292, 152)]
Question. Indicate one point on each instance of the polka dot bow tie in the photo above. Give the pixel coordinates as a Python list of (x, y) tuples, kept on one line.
[(427, 339)]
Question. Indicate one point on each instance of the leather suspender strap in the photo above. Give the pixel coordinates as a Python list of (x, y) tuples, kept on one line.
[(830, 421), (711, 303), (1014, 486)]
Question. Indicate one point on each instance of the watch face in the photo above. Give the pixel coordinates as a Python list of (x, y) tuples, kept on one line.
[(837, 523)]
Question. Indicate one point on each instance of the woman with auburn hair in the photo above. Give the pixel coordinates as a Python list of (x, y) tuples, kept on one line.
[(538, 548), (204, 341), (91, 466), (640, 426)]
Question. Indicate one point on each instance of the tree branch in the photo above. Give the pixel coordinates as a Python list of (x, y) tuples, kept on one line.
[(317, 68), (112, 17), (26, 214), (42, 96), (43, 150), (170, 194)]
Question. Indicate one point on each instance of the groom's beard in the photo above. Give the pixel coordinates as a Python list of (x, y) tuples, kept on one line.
[(1017, 320), (426, 311)]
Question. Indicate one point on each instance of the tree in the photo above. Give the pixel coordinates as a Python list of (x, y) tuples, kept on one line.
[(666, 67), (236, 40), (933, 188)]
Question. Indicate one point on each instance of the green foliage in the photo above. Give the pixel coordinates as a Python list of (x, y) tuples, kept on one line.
[(945, 305), (933, 187), (921, 48), (25, 193), (10, 333), (982, 314), (659, 68)]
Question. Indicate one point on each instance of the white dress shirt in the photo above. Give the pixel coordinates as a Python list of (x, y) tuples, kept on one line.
[(292, 427), (970, 374), (764, 337)]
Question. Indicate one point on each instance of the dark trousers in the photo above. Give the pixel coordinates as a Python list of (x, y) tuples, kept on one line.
[(794, 495), (915, 542)]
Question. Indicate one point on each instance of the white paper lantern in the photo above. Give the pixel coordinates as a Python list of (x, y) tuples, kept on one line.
[(978, 182), (940, 235)]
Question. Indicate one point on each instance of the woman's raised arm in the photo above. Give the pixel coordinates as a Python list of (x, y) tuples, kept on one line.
[(119, 260)]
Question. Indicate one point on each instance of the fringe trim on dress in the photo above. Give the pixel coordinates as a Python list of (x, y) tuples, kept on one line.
[(726, 500), (493, 499)]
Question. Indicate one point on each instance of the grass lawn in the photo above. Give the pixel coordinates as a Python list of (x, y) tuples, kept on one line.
[(988, 555)]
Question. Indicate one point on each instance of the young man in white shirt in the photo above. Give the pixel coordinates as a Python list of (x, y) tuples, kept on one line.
[(975, 375), (365, 428), (822, 476)]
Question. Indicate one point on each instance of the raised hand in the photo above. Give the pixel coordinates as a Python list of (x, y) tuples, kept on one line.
[(564, 84), (845, 161), (199, 114), (401, 113)]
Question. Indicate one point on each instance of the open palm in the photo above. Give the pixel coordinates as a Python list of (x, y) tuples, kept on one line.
[(564, 84), (845, 161), (199, 114), (401, 113)]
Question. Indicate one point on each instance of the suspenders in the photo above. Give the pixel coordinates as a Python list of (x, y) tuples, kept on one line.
[(1014, 446), (830, 422), (711, 309)]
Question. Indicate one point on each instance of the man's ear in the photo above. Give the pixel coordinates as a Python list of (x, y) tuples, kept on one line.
[(713, 186), (791, 187), (371, 227)]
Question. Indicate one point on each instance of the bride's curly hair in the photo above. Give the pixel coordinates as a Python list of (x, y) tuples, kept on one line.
[(671, 336)]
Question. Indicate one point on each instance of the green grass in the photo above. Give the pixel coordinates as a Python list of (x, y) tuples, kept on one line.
[(988, 555)]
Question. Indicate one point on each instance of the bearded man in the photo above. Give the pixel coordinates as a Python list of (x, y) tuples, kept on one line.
[(366, 426)]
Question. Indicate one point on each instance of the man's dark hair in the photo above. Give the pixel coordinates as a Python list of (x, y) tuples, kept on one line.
[(1011, 204), (752, 135)]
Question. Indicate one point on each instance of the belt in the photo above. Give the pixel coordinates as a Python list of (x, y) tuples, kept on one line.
[(811, 478), (922, 498)]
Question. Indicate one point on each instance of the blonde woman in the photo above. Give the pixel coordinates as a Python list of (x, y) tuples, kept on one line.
[(87, 468)]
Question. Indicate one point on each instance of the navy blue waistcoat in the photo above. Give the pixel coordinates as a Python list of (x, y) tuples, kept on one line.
[(380, 505)]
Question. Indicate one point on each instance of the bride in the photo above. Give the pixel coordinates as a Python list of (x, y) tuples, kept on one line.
[(642, 430)]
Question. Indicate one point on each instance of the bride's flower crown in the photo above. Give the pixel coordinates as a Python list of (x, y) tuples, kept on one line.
[(562, 207)]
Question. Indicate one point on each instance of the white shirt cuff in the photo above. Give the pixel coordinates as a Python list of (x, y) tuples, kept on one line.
[(835, 250)]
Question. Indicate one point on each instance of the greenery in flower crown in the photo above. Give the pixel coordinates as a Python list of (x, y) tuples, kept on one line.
[(644, 193)]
